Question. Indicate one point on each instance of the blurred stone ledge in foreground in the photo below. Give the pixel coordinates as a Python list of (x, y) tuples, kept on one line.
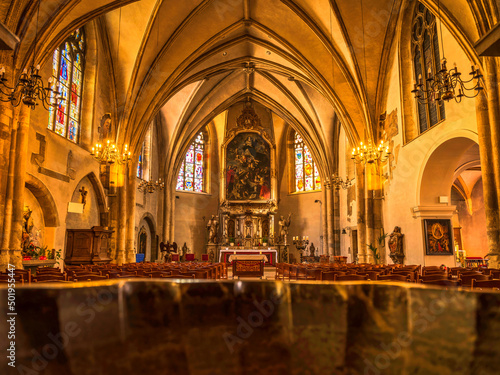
[(251, 327)]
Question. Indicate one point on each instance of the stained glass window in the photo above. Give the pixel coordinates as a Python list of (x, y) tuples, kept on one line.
[(306, 173), (426, 58), (67, 78), (192, 171)]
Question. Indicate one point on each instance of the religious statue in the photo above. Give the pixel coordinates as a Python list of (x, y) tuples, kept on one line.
[(283, 227), (184, 250), (83, 194), (312, 250), (396, 246), (213, 229)]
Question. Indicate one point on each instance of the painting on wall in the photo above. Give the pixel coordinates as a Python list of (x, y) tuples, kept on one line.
[(438, 237), (248, 168)]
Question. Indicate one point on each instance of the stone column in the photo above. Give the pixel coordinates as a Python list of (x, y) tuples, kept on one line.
[(336, 221), (324, 223), (121, 230), (167, 212), (9, 193), (329, 216), (490, 189), (113, 210), (374, 209), (360, 200), (131, 198), (16, 232)]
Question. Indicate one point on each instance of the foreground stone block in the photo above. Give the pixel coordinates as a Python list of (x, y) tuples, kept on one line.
[(202, 327)]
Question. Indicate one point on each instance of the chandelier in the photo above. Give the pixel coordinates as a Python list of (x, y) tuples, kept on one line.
[(370, 153), (446, 85), (29, 88), (338, 182), (110, 154), (150, 186)]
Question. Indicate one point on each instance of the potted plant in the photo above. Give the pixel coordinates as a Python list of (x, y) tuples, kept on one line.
[(264, 241), (231, 241)]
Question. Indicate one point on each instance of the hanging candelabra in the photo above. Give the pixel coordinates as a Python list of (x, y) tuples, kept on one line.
[(29, 88), (339, 182), (110, 154), (370, 153), (446, 85), (150, 186)]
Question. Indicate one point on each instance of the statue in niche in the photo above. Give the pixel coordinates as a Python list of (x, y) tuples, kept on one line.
[(106, 128), (143, 240), (284, 224), (213, 229), (83, 195), (396, 246)]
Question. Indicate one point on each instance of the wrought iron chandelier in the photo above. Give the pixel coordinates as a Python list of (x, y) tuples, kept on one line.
[(150, 186), (29, 88), (446, 84), (110, 154), (370, 153), (338, 182)]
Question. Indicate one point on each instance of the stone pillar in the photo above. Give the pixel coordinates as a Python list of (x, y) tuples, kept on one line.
[(490, 189), (324, 223), (336, 221), (121, 230), (131, 198), (167, 212), (9, 192), (113, 210), (16, 232), (329, 216), (360, 200), (373, 207)]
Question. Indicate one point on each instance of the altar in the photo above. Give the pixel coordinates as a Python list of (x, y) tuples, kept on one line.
[(270, 254)]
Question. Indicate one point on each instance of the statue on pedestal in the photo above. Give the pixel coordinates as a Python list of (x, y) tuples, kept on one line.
[(312, 250), (283, 227), (396, 246), (213, 229)]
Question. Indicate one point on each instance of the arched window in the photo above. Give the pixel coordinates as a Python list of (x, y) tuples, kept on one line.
[(306, 173), (67, 71), (425, 48), (192, 171)]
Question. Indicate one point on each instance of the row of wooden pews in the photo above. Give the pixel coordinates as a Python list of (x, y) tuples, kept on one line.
[(473, 278), (147, 270)]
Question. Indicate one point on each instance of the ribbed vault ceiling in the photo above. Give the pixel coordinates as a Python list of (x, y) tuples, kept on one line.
[(309, 61)]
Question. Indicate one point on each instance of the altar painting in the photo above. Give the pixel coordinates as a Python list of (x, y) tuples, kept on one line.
[(248, 168)]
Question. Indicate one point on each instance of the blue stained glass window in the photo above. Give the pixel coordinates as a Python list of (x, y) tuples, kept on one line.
[(67, 73), (192, 170)]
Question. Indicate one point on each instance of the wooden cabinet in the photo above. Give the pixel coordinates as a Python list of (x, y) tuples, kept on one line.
[(87, 246)]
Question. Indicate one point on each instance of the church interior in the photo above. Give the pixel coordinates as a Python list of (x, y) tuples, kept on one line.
[(250, 186)]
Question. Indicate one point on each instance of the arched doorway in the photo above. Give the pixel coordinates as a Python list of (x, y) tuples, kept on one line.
[(451, 195), (147, 242)]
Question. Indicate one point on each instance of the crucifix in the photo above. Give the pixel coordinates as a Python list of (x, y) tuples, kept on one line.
[(83, 194)]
